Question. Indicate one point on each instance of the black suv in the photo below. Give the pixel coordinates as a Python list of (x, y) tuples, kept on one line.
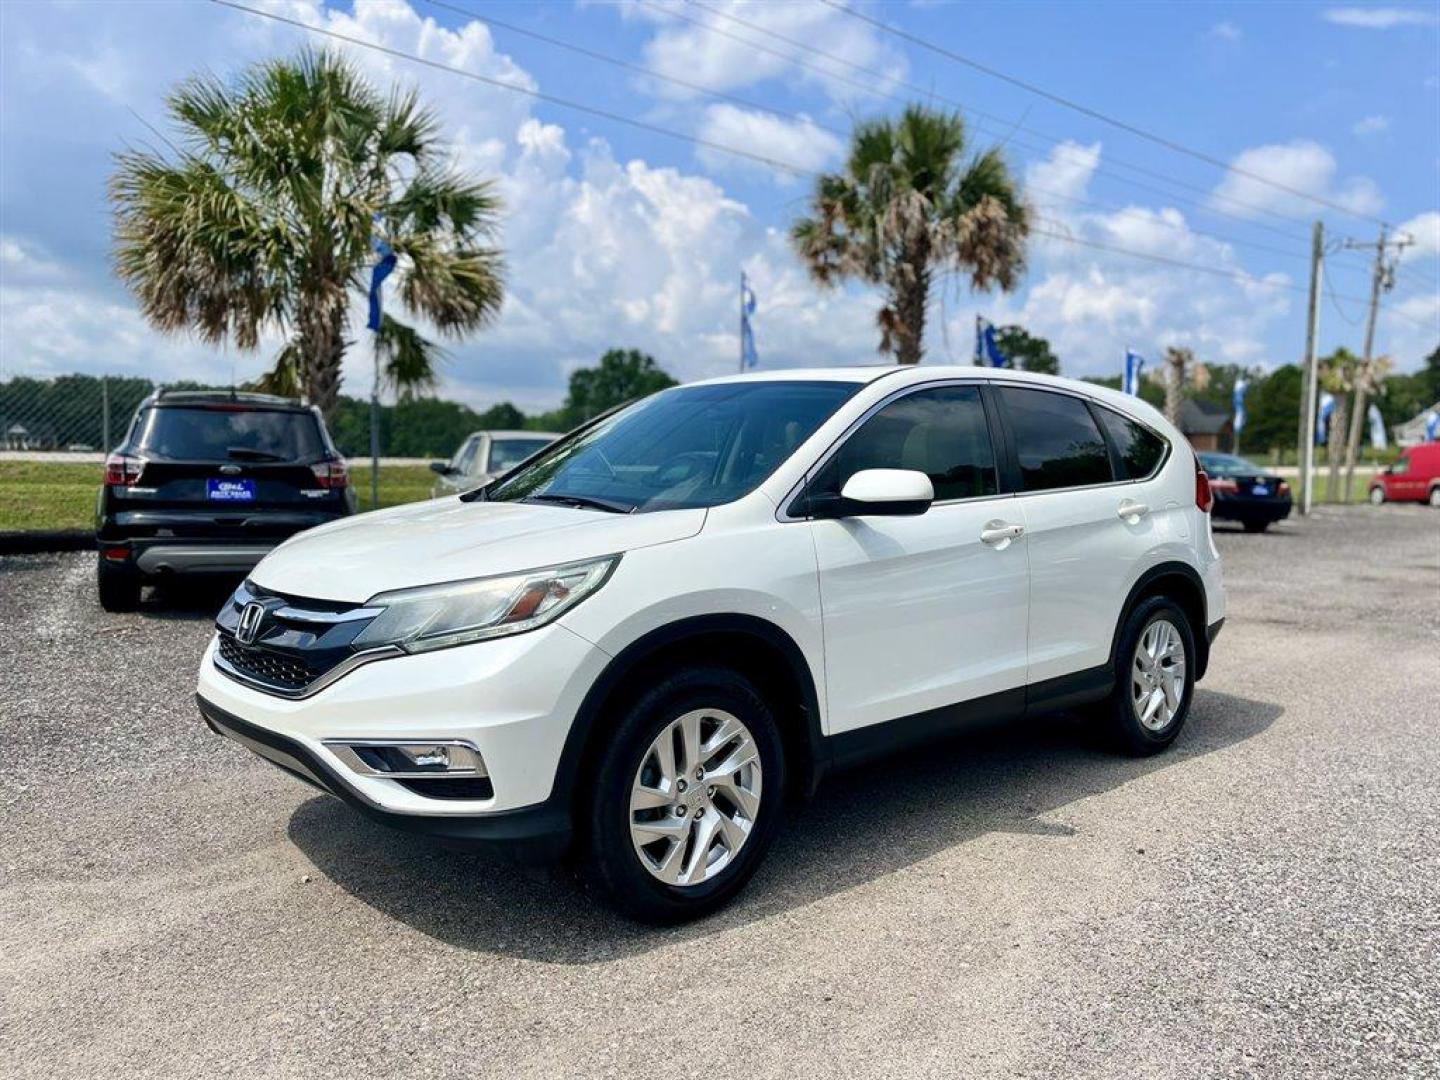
[(208, 481)]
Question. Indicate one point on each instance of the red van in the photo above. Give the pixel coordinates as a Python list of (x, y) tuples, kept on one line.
[(1415, 477)]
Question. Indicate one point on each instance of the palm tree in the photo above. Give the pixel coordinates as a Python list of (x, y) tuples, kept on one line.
[(907, 207), (264, 216)]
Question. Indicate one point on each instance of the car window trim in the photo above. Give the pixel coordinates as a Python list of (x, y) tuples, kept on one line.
[(785, 512), (1119, 458), (1090, 402)]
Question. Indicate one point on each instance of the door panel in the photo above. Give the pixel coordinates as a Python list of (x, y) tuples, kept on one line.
[(1082, 556), (920, 612), (1087, 532)]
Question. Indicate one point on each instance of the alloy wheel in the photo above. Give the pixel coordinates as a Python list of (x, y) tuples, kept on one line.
[(696, 797), (1157, 675)]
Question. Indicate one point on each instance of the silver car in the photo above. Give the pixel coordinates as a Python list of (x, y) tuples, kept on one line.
[(485, 454)]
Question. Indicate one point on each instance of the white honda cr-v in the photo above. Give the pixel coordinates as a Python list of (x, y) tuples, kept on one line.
[(637, 645)]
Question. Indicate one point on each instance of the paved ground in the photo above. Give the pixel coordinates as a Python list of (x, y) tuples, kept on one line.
[(1262, 901)]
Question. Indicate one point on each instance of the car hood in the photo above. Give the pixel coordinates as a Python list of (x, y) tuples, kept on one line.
[(449, 540)]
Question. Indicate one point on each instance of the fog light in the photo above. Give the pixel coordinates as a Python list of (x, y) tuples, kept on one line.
[(397, 760)]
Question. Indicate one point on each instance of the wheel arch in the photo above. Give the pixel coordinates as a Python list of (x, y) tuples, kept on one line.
[(755, 647), (1179, 582)]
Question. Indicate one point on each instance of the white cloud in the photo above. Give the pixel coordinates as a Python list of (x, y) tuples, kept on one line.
[(1065, 174), (725, 55), (1225, 31), (1301, 165), (1380, 18), (1094, 298), (800, 143), (1370, 125), (1424, 229)]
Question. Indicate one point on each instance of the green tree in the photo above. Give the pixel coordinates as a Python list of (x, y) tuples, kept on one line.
[(263, 219), (1027, 351), (910, 206), (622, 375), (1272, 412), (1152, 391)]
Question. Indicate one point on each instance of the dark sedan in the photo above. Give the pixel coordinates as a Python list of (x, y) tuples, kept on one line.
[(1246, 492)]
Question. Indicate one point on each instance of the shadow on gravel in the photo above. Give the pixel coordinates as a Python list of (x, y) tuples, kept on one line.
[(188, 599), (860, 827)]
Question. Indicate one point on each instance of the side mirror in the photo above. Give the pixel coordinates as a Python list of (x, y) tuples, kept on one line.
[(441, 467), (884, 493)]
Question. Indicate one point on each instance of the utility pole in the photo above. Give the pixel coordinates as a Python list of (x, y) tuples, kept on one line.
[(1383, 279), (1312, 364)]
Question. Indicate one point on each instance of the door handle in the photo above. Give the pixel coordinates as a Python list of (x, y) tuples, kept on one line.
[(1000, 533), (1131, 511)]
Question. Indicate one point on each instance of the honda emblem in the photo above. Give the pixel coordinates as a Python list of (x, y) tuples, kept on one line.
[(251, 616)]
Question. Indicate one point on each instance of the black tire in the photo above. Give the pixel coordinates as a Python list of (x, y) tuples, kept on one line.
[(1434, 497), (1256, 526), (1377, 496), (1127, 734), (117, 585), (610, 861)]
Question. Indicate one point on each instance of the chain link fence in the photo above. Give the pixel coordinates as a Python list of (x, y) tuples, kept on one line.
[(55, 432), (69, 414)]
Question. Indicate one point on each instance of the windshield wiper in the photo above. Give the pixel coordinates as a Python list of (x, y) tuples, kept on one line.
[(584, 502), (247, 454)]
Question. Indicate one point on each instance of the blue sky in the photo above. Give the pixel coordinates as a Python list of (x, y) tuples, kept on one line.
[(617, 236)]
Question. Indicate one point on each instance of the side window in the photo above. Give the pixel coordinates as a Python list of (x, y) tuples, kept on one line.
[(1401, 466), (1056, 440), (1140, 448), (465, 458), (940, 432)]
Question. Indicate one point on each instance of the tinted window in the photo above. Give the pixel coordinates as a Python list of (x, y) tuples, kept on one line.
[(507, 453), (1056, 440), (688, 447), (1140, 448), (229, 434), (940, 432)]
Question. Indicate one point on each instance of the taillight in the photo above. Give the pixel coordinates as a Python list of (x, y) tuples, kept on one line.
[(1283, 488), (1222, 484), (330, 474), (124, 470), (1204, 497)]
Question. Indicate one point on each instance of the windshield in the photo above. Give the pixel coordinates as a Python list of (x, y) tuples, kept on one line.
[(1228, 463), (689, 447), (507, 453), (226, 433)]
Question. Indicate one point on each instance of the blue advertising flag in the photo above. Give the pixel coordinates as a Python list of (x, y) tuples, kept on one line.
[(1432, 426), (1322, 424), (987, 349), (1241, 385), (378, 274), (1134, 365), (748, 356), (1377, 427)]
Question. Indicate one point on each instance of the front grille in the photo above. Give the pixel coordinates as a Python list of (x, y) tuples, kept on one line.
[(265, 666)]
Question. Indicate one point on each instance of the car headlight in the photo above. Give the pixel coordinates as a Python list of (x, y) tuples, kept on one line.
[(459, 612)]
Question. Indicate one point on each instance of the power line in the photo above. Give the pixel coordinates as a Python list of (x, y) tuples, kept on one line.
[(682, 136), (641, 69), (1009, 125), (784, 114), (539, 95), (1085, 110)]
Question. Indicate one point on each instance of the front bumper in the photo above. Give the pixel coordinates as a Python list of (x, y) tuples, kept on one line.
[(533, 832), (514, 699)]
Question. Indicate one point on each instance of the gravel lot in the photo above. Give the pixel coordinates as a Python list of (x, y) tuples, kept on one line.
[(1264, 900)]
